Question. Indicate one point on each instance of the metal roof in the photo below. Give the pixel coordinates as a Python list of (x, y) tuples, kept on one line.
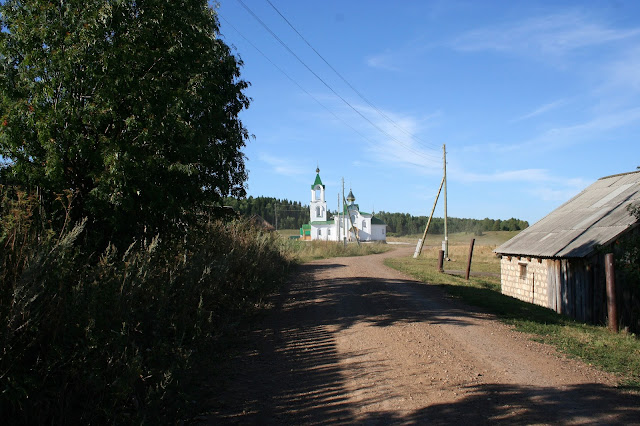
[(318, 181), (594, 217)]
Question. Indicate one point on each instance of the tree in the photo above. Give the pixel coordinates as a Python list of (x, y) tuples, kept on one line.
[(131, 104)]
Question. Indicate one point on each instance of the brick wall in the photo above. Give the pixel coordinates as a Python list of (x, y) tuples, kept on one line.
[(525, 279)]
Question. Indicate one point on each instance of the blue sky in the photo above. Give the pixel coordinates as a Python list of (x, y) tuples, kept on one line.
[(534, 100)]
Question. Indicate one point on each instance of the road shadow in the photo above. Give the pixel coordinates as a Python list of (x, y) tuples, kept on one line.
[(499, 404), (289, 371)]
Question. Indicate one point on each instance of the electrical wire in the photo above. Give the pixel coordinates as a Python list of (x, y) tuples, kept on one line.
[(390, 120), (426, 156)]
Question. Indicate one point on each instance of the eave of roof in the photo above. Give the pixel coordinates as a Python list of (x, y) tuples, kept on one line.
[(595, 217)]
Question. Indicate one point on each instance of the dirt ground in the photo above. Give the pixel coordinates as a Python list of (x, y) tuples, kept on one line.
[(352, 341)]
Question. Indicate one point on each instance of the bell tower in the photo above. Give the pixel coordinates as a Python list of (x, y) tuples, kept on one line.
[(318, 205)]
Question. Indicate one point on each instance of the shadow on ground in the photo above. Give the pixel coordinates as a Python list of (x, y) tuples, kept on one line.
[(289, 372)]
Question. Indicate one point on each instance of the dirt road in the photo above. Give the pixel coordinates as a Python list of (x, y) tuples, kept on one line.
[(352, 341)]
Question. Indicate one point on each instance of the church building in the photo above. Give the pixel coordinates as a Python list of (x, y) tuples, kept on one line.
[(351, 223)]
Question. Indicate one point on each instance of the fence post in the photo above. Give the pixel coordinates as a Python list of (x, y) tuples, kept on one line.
[(612, 308), (473, 240), (440, 260)]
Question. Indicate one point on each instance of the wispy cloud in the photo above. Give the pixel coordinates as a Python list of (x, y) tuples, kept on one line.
[(539, 184), (395, 140), (386, 61), (541, 110), (523, 175), (283, 166), (554, 35), (623, 73), (582, 132)]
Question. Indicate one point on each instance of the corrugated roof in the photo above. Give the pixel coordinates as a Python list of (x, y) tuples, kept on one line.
[(594, 217)]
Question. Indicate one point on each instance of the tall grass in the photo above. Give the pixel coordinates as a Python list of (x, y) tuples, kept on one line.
[(305, 251), (106, 337)]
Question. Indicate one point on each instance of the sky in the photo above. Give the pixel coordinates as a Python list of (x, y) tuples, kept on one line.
[(534, 100)]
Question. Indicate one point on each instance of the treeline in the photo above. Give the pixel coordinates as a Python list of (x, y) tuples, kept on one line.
[(405, 224), (290, 214)]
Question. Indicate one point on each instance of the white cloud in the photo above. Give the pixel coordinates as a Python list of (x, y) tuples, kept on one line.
[(546, 193), (283, 166), (624, 74), (554, 35), (386, 61), (524, 175), (587, 131), (541, 110)]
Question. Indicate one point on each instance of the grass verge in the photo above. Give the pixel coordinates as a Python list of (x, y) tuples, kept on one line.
[(305, 251), (615, 353)]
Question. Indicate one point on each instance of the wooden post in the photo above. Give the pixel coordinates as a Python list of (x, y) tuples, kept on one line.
[(440, 261), (612, 308), (424, 236), (473, 240), (446, 232)]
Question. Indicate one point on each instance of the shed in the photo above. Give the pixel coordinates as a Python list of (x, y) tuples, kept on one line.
[(558, 262)]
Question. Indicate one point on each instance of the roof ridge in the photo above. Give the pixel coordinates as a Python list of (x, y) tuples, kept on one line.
[(619, 174)]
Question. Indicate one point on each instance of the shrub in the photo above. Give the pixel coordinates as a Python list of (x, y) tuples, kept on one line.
[(105, 337)]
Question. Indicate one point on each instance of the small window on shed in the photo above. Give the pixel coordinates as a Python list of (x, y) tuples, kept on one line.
[(523, 270)]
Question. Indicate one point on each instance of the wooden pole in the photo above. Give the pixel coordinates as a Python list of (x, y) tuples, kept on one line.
[(440, 261), (446, 232), (424, 236), (473, 241), (612, 307)]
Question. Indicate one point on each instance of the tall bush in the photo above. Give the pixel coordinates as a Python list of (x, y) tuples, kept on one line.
[(106, 337)]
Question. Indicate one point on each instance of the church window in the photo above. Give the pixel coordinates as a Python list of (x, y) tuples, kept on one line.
[(364, 224), (329, 231), (318, 211), (319, 232)]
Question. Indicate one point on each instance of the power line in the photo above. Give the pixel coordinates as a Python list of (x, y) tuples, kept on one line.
[(298, 84), (425, 144), (426, 156)]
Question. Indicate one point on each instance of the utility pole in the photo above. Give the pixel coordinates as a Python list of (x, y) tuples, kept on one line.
[(446, 233), (424, 236), (344, 219), (338, 220), (275, 208)]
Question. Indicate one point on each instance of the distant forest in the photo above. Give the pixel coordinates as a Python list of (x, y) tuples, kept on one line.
[(293, 214), (404, 224)]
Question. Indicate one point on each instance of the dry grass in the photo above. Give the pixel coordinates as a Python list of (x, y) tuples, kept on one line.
[(489, 238)]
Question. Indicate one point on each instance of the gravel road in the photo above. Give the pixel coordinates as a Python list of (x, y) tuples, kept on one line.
[(352, 341)]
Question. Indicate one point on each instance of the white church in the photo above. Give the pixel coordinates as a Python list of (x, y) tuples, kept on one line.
[(351, 223)]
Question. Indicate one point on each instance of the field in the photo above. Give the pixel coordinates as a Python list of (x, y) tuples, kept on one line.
[(489, 238), (483, 261)]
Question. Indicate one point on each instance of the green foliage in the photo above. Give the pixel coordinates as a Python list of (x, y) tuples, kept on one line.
[(400, 224), (131, 105), (108, 337)]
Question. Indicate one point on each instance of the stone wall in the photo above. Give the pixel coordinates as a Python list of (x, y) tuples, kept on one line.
[(525, 278)]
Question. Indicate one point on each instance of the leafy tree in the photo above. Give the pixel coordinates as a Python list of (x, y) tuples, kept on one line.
[(130, 104)]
